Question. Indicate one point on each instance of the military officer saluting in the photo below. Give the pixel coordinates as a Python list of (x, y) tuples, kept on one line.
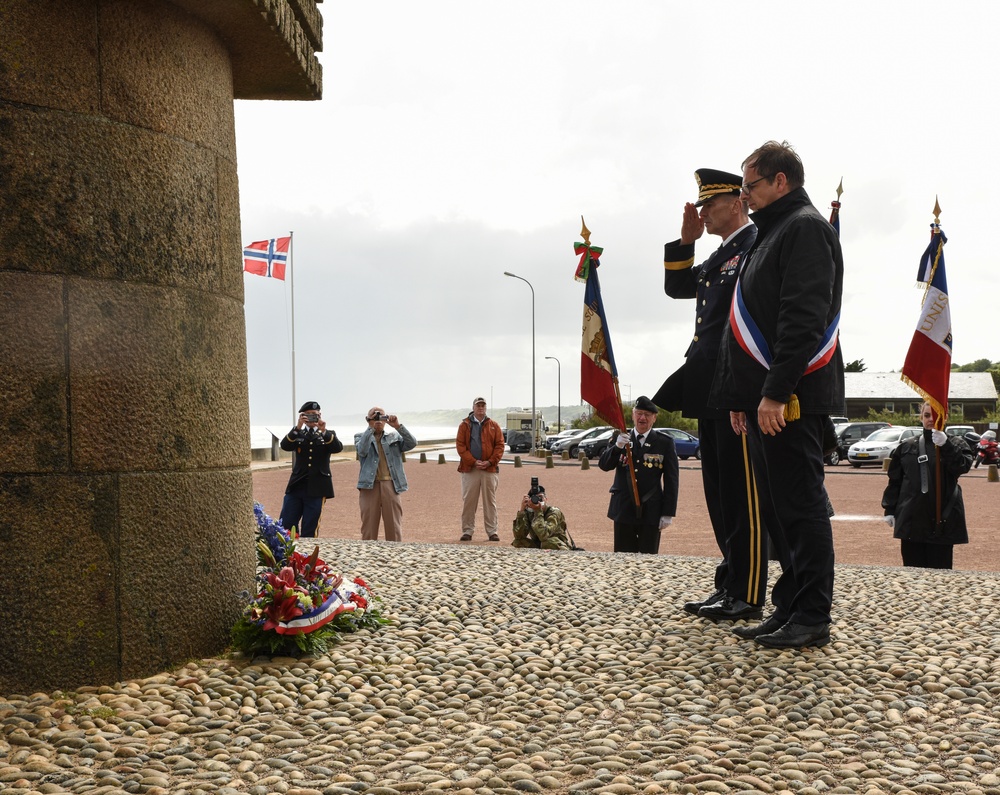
[(741, 576), (310, 483)]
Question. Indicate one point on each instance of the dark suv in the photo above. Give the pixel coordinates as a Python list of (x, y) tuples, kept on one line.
[(847, 434)]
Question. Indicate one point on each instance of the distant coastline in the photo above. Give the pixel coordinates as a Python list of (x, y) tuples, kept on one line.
[(427, 426), (448, 417)]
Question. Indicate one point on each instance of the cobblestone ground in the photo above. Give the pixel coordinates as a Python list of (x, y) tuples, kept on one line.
[(511, 671)]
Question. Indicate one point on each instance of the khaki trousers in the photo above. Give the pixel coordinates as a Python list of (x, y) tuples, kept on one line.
[(381, 502), (475, 484)]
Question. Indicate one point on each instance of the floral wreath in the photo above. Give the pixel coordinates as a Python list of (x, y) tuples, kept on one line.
[(301, 604)]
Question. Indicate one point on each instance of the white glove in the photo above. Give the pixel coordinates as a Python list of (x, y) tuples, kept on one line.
[(622, 440), (665, 521), (889, 520), (938, 437)]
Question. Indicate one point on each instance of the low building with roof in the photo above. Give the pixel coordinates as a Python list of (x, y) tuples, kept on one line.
[(970, 395)]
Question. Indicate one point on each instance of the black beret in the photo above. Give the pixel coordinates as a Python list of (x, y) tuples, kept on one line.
[(643, 403), (309, 405)]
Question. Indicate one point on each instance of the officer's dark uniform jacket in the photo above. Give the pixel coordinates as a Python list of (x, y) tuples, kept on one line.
[(916, 512), (786, 276), (711, 283), (655, 473), (311, 463)]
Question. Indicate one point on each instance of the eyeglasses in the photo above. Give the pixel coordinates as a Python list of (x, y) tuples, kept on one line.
[(747, 187)]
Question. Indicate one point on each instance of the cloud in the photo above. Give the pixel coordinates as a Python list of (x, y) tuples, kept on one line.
[(456, 141)]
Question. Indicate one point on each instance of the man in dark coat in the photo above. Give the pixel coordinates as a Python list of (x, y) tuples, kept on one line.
[(310, 483), (637, 529), (780, 374), (911, 496), (726, 470)]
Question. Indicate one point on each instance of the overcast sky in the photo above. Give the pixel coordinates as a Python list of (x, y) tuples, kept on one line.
[(457, 140)]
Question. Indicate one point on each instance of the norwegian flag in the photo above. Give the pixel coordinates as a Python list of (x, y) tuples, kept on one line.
[(267, 257)]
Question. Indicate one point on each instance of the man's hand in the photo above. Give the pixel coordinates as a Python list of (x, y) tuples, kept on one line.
[(393, 421), (302, 422), (770, 416), (526, 504), (889, 520), (665, 521), (692, 227), (621, 440), (482, 465), (738, 419)]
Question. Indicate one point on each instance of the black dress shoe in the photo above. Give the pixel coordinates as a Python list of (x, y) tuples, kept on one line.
[(796, 636), (729, 609), (694, 607), (765, 627)]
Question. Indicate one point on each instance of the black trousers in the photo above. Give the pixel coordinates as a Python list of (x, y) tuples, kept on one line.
[(637, 537), (789, 470), (926, 556), (733, 502), (301, 511)]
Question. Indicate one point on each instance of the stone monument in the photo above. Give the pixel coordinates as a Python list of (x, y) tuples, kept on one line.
[(126, 525)]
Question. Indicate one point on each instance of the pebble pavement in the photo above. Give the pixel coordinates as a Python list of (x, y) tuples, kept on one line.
[(519, 671)]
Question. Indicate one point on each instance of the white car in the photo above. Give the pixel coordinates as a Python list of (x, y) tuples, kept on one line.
[(876, 447)]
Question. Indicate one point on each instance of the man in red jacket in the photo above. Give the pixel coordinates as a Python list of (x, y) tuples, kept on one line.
[(480, 447)]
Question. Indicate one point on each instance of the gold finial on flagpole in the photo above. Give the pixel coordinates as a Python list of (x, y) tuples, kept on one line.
[(585, 233), (840, 188), (937, 211)]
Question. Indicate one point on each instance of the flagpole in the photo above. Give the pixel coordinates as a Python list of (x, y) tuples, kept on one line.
[(835, 207), (939, 423), (628, 453), (291, 282)]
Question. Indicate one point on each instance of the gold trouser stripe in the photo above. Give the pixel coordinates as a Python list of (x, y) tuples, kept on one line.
[(753, 513)]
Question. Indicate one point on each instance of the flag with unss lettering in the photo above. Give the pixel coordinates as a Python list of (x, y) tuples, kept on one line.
[(267, 257), (928, 362)]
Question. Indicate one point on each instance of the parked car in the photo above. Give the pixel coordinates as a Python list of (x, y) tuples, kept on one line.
[(596, 445), (848, 433), (568, 433), (572, 443), (685, 443), (963, 431), (877, 447)]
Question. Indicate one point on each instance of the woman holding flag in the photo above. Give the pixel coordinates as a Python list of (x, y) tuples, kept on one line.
[(916, 468)]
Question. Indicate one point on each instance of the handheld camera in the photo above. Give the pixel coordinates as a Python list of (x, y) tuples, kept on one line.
[(536, 493)]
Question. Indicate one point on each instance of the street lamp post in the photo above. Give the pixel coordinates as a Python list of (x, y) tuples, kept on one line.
[(558, 391), (534, 438)]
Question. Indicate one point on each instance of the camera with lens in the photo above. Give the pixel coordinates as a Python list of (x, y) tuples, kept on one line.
[(536, 493), (311, 417), (378, 416)]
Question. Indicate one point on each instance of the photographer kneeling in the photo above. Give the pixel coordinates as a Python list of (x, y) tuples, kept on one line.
[(539, 525)]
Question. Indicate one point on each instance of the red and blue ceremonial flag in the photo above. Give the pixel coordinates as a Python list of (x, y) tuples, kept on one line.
[(598, 374), (928, 361), (267, 257)]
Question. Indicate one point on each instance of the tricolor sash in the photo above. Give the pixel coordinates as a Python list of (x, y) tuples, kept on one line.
[(752, 341)]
